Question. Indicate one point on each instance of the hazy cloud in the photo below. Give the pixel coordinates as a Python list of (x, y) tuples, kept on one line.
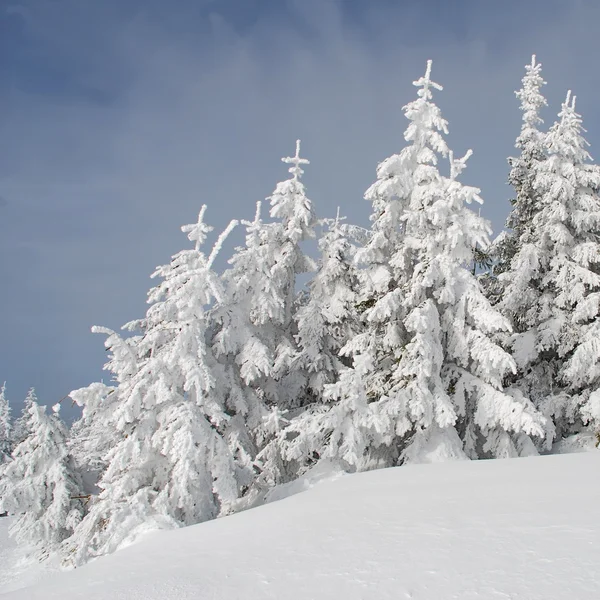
[(120, 118)]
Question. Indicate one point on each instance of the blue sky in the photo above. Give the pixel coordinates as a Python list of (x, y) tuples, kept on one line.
[(118, 119)]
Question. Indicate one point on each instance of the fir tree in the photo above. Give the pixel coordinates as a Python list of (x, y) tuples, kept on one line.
[(262, 293), (327, 318), (531, 143), (20, 429), (427, 377), (295, 222), (40, 485), (246, 327), (172, 465), (447, 378), (5, 426), (553, 286)]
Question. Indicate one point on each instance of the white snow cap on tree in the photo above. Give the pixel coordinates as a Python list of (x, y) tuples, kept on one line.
[(532, 102), (290, 204), (40, 485)]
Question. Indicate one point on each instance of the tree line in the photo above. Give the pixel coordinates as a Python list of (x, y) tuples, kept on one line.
[(416, 340)]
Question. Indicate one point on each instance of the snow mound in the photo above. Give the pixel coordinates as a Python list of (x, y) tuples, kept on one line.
[(525, 529)]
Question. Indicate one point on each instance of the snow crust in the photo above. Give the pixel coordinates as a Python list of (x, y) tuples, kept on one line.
[(520, 529)]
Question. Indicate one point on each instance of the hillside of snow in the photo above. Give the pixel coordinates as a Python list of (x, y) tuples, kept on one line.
[(520, 529)]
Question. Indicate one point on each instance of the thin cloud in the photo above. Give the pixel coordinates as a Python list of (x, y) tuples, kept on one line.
[(200, 106)]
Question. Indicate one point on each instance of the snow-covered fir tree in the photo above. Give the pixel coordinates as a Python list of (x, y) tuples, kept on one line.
[(262, 291), (446, 396), (327, 318), (20, 428), (172, 465), (552, 289), (40, 485), (295, 223), (246, 325), (427, 377), (5, 426), (249, 320), (327, 321), (531, 143)]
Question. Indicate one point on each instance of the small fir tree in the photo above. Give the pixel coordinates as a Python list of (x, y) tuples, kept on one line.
[(41, 486), (5, 426), (20, 430), (327, 318)]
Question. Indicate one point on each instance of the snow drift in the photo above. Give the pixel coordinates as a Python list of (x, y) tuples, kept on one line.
[(524, 529)]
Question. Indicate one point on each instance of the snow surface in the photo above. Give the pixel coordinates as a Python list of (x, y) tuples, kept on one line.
[(519, 529)]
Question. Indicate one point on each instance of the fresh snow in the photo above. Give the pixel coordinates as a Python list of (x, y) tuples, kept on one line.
[(519, 529)]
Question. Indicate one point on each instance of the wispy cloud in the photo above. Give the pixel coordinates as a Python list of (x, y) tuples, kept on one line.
[(120, 119)]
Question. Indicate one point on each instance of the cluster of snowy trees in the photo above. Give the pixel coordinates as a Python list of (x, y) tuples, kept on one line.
[(400, 349)]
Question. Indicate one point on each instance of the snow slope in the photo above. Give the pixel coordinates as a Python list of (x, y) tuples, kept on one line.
[(520, 529)]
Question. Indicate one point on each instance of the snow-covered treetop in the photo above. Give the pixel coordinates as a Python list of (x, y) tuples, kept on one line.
[(178, 287), (398, 175), (427, 122), (198, 231), (296, 161), (531, 142), (532, 102), (290, 204), (565, 138)]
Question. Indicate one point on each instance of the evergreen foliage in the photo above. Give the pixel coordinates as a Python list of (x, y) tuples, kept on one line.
[(5, 426), (414, 341), (172, 464), (40, 484)]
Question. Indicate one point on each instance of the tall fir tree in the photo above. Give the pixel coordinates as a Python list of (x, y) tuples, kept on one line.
[(294, 224), (531, 143), (263, 303), (41, 485), (172, 465), (427, 377), (553, 287)]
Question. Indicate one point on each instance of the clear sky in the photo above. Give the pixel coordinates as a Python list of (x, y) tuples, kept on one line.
[(119, 118)]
